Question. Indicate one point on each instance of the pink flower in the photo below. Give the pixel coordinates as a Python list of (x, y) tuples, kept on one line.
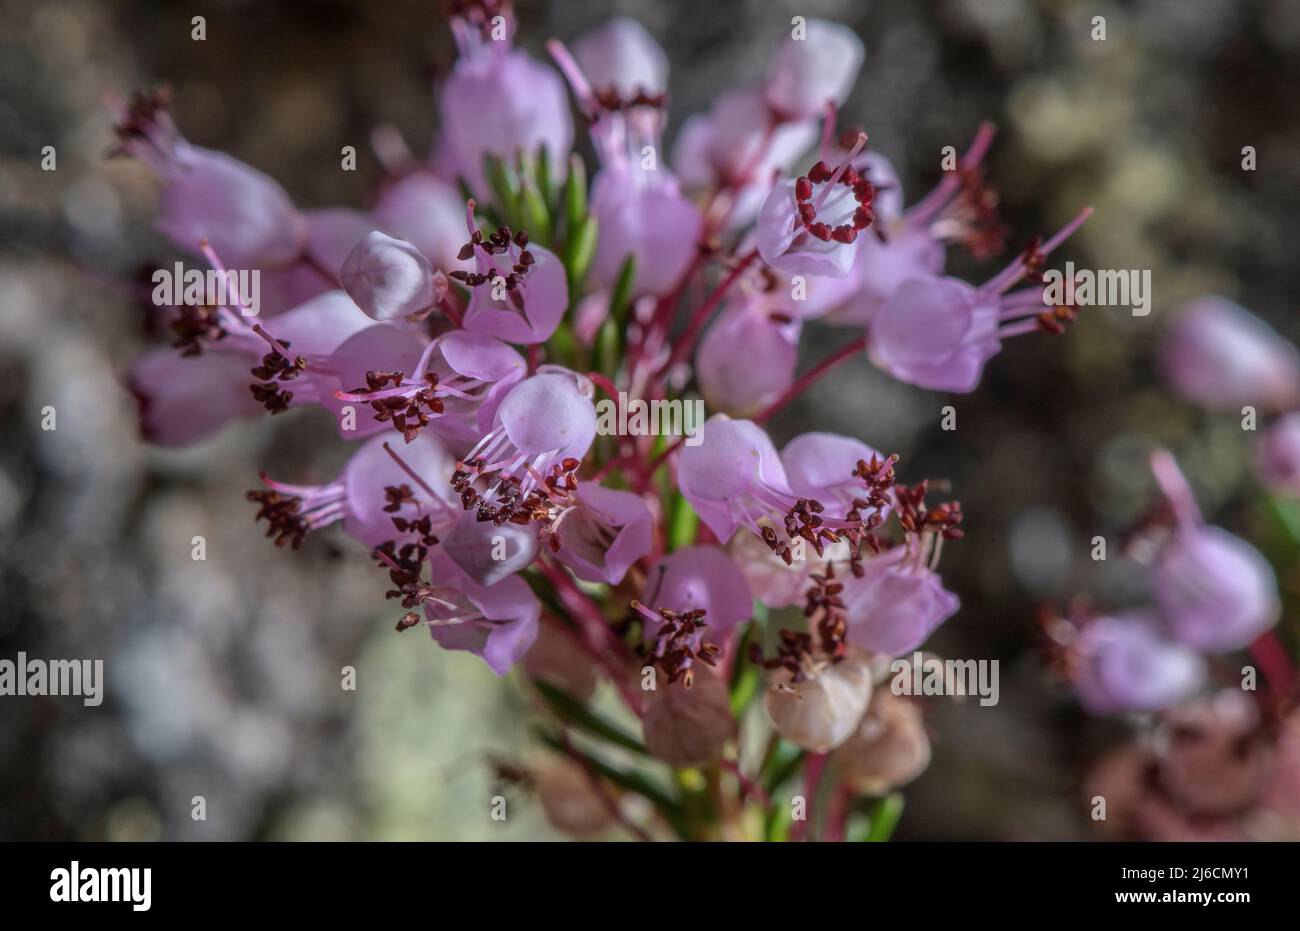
[(389, 279), (1126, 662), (1221, 356), (500, 101), (497, 623), (813, 69), (208, 196), (1277, 456), (747, 358)]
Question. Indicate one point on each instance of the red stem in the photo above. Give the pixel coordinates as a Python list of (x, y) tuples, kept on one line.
[(812, 375), (682, 348)]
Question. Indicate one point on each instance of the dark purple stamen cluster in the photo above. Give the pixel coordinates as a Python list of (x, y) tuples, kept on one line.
[(497, 243), (511, 504), (281, 513), (408, 413), (679, 643), (275, 369), (824, 643)]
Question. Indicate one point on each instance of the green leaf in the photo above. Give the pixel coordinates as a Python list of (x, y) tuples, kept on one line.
[(580, 716), (575, 196), (781, 766), (621, 300), (505, 189), (579, 250), (884, 814), (682, 523), (536, 216)]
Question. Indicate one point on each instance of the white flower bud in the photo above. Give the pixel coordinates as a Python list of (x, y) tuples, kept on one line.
[(388, 278)]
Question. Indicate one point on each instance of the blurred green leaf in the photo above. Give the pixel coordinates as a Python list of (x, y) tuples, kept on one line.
[(580, 716), (884, 814)]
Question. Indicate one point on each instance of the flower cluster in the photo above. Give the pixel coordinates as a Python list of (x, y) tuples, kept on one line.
[(463, 329)]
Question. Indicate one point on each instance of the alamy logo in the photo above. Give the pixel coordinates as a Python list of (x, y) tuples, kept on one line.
[(103, 884), (657, 418), (196, 287), (922, 675), (53, 677), (1110, 287)]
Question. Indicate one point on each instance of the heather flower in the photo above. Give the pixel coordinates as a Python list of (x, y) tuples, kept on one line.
[(332, 234), (814, 69), (937, 333), (747, 359), (184, 400), (824, 466), (808, 225), (379, 496), (697, 579), (208, 196), (497, 623), (1127, 662), (888, 749), (635, 200), (1215, 590), (488, 553), (1277, 456), (519, 289), (596, 531), (622, 61), (443, 389), (899, 600), (737, 145), (541, 429), (1221, 356), (500, 101)]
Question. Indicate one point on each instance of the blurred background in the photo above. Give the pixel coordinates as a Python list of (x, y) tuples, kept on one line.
[(224, 674)]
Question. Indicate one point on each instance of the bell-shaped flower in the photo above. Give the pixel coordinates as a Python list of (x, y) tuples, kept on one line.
[(1127, 662), (487, 553), (815, 65), (520, 291), (208, 196), (495, 622), (442, 388), (183, 400), (899, 600), (1221, 356), (819, 707), (1277, 456), (500, 101), (379, 496), (747, 358), (422, 209), (622, 61), (598, 532), (888, 749), (1215, 591), (536, 432), (937, 333)]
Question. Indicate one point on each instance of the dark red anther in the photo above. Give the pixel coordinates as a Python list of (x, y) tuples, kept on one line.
[(862, 217), (807, 213), (802, 189), (820, 173), (844, 234), (820, 231), (864, 191), (850, 177)]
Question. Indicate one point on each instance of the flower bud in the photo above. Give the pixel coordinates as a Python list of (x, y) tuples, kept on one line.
[(685, 726), (820, 712), (389, 279)]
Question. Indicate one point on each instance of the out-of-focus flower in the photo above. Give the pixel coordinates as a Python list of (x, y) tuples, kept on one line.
[(1277, 456), (569, 800), (687, 726), (1127, 662), (747, 359), (814, 66), (558, 659), (183, 400), (1222, 356), (888, 749), (1215, 590), (500, 101), (208, 196)]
